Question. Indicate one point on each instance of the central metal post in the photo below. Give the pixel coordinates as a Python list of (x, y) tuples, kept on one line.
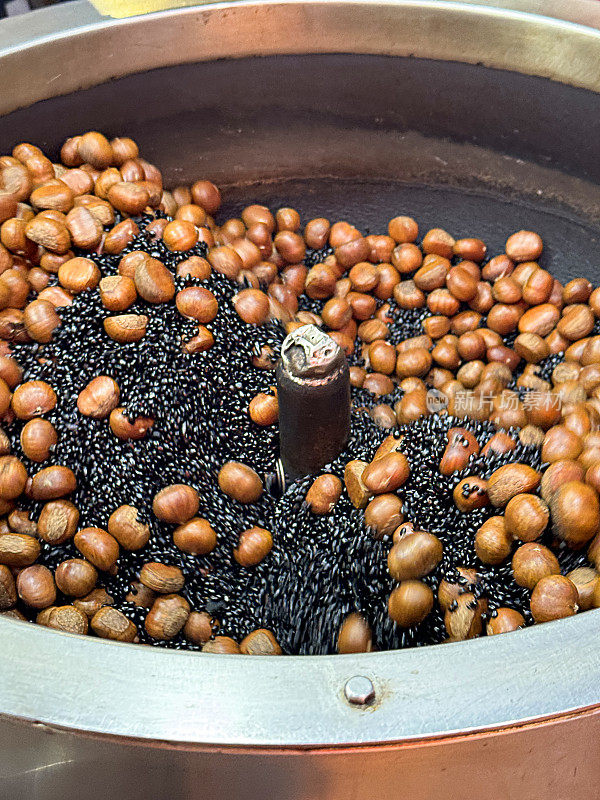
[(313, 386)]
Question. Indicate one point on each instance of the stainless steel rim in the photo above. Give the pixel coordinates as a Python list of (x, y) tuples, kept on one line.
[(152, 694), (71, 47)]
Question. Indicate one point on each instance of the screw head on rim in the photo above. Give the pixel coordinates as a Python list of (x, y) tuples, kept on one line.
[(359, 690)]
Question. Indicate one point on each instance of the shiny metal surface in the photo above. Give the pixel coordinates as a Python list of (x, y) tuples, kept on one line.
[(532, 762), (359, 690), (87, 54), (155, 694), (451, 719)]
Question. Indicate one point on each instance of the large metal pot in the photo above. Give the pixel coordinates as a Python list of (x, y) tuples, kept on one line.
[(475, 117)]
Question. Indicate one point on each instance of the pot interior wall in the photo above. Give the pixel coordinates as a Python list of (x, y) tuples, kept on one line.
[(571, 243), (479, 151)]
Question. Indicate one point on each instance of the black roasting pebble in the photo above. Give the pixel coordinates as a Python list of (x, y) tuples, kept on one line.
[(313, 257), (321, 567), (405, 323), (195, 400)]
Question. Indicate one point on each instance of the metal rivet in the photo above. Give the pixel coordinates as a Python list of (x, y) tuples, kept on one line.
[(359, 690)]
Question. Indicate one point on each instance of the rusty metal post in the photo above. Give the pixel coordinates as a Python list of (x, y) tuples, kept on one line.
[(313, 384)]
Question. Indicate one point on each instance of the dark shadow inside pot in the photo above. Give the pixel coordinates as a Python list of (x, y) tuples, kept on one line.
[(479, 151)]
